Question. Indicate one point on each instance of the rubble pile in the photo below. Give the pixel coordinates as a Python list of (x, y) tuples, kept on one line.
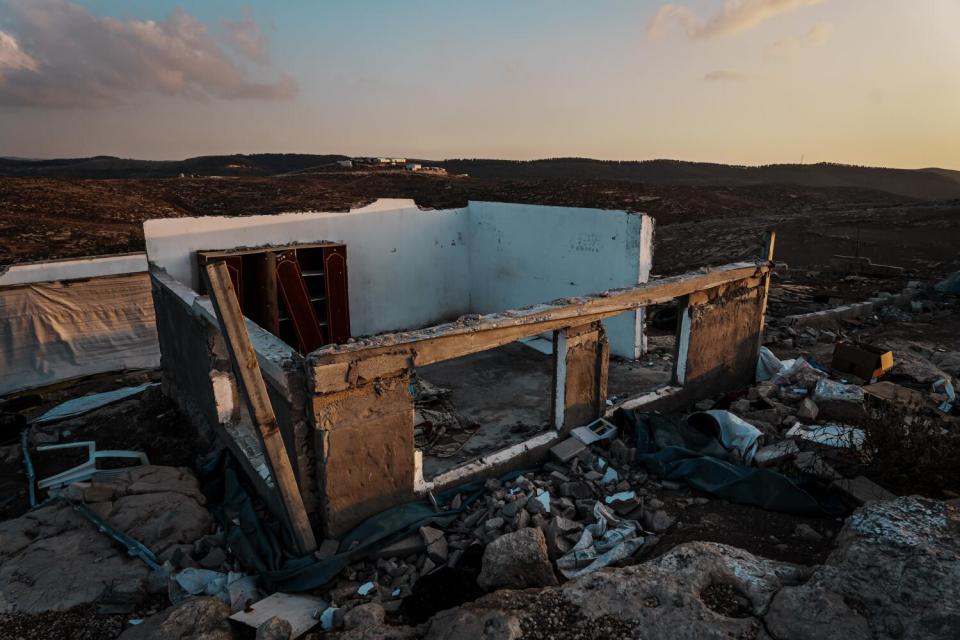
[(893, 575)]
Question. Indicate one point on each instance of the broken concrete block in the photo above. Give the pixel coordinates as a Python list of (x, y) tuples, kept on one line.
[(510, 509), (517, 560), (567, 450), (436, 544), (863, 490), (806, 532), (576, 490), (411, 545), (555, 535), (214, 559), (838, 401), (740, 407), (808, 410), (327, 549), (774, 453), (812, 463), (558, 478)]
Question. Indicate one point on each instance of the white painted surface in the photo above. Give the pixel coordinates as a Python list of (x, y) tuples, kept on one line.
[(525, 254), (456, 476), (53, 270), (560, 381), (407, 268)]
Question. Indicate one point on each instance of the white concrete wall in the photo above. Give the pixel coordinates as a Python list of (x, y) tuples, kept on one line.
[(73, 269), (409, 268), (406, 268), (525, 254)]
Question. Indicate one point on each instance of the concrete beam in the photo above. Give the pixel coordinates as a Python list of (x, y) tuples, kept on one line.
[(453, 340)]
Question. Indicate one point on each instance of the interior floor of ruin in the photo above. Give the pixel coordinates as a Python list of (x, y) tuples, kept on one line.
[(501, 397)]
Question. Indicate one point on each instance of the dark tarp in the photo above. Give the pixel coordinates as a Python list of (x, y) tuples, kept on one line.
[(262, 544), (672, 450)]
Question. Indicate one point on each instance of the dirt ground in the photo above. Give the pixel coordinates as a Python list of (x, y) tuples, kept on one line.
[(57, 218), (46, 218)]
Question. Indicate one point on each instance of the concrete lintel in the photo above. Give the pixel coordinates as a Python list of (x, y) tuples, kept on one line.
[(452, 340)]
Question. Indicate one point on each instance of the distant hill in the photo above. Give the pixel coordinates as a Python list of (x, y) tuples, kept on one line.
[(926, 184), (260, 164)]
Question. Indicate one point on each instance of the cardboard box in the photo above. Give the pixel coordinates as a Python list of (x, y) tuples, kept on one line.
[(864, 361)]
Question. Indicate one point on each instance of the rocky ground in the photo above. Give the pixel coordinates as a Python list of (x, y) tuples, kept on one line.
[(881, 564), (684, 563), (45, 218)]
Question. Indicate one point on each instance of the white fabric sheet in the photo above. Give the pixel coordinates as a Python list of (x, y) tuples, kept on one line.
[(53, 331)]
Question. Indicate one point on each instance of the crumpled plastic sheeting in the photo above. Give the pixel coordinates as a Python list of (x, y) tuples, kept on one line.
[(198, 582), (736, 435), (602, 543), (85, 404), (770, 368), (53, 331), (951, 284), (235, 589), (947, 405)]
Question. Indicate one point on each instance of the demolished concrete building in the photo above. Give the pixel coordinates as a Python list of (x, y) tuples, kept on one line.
[(419, 289)]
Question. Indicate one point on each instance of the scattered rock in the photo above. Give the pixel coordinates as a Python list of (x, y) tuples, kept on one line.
[(202, 618), (214, 559), (808, 410), (517, 560), (806, 532), (366, 615), (774, 453), (657, 521), (274, 629), (436, 544)]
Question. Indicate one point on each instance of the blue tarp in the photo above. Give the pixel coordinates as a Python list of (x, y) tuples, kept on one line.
[(950, 285), (672, 450)]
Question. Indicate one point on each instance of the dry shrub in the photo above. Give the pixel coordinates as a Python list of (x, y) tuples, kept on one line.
[(909, 450)]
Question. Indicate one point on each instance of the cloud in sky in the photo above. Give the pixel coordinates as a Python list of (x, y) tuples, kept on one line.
[(735, 16), (245, 36), (817, 36), (12, 57), (724, 75), (58, 54)]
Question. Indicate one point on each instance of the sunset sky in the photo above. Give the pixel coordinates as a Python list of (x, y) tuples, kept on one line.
[(739, 81)]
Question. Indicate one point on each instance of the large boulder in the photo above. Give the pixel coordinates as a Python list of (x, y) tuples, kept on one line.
[(894, 574), (517, 560), (53, 559), (194, 619)]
